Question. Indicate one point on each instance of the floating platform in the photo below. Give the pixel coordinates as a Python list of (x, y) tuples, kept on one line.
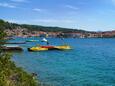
[(12, 42), (11, 48)]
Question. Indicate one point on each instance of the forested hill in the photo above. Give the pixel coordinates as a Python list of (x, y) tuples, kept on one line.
[(7, 25)]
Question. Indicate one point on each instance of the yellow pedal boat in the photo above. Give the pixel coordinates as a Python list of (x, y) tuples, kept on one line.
[(44, 48), (63, 47), (37, 49)]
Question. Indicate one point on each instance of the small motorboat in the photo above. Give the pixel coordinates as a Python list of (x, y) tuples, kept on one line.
[(32, 40)]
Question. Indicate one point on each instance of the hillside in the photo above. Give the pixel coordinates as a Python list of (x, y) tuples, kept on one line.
[(26, 30), (7, 25)]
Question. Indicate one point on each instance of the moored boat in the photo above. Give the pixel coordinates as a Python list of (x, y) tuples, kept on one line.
[(32, 40), (45, 48), (63, 47), (11, 48), (37, 49)]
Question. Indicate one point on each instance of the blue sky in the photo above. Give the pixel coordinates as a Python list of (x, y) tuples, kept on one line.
[(91, 15)]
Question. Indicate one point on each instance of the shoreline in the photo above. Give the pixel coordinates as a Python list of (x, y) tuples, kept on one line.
[(11, 75)]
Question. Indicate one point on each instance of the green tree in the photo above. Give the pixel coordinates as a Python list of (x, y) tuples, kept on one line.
[(2, 27), (10, 75)]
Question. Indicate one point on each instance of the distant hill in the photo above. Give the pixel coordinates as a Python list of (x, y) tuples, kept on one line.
[(7, 25), (13, 29)]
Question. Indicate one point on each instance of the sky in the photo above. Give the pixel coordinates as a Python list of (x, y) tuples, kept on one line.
[(91, 15)]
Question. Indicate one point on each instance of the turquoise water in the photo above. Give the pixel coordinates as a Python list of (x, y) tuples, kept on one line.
[(91, 62)]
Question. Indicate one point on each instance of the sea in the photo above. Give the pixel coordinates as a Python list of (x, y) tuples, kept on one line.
[(90, 62)]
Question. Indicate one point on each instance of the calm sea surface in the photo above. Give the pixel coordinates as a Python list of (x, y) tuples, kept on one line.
[(91, 62)]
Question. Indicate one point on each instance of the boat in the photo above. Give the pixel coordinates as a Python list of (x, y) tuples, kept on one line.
[(45, 48), (63, 47), (40, 48), (32, 40), (12, 42), (11, 48), (37, 49), (49, 47)]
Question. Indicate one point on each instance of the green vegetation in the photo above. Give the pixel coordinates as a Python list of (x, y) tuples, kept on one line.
[(49, 29), (10, 75), (39, 28), (2, 27)]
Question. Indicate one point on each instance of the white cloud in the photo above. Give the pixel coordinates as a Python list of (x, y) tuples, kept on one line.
[(37, 9), (54, 21), (19, 0), (71, 7), (7, 5), (113, 1), (17, 21), (109, 1), (12, 20)]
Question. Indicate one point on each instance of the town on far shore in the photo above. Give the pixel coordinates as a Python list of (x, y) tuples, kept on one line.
[(26, 30), (19, 32)]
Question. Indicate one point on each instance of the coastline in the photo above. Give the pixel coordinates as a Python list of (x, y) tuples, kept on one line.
[(10, 75)]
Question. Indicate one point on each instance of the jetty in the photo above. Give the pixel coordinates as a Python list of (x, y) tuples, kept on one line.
[(12, 42), (11, 48)]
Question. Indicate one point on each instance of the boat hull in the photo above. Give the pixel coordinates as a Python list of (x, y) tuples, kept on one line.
[(45, 48), (11, 49)]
